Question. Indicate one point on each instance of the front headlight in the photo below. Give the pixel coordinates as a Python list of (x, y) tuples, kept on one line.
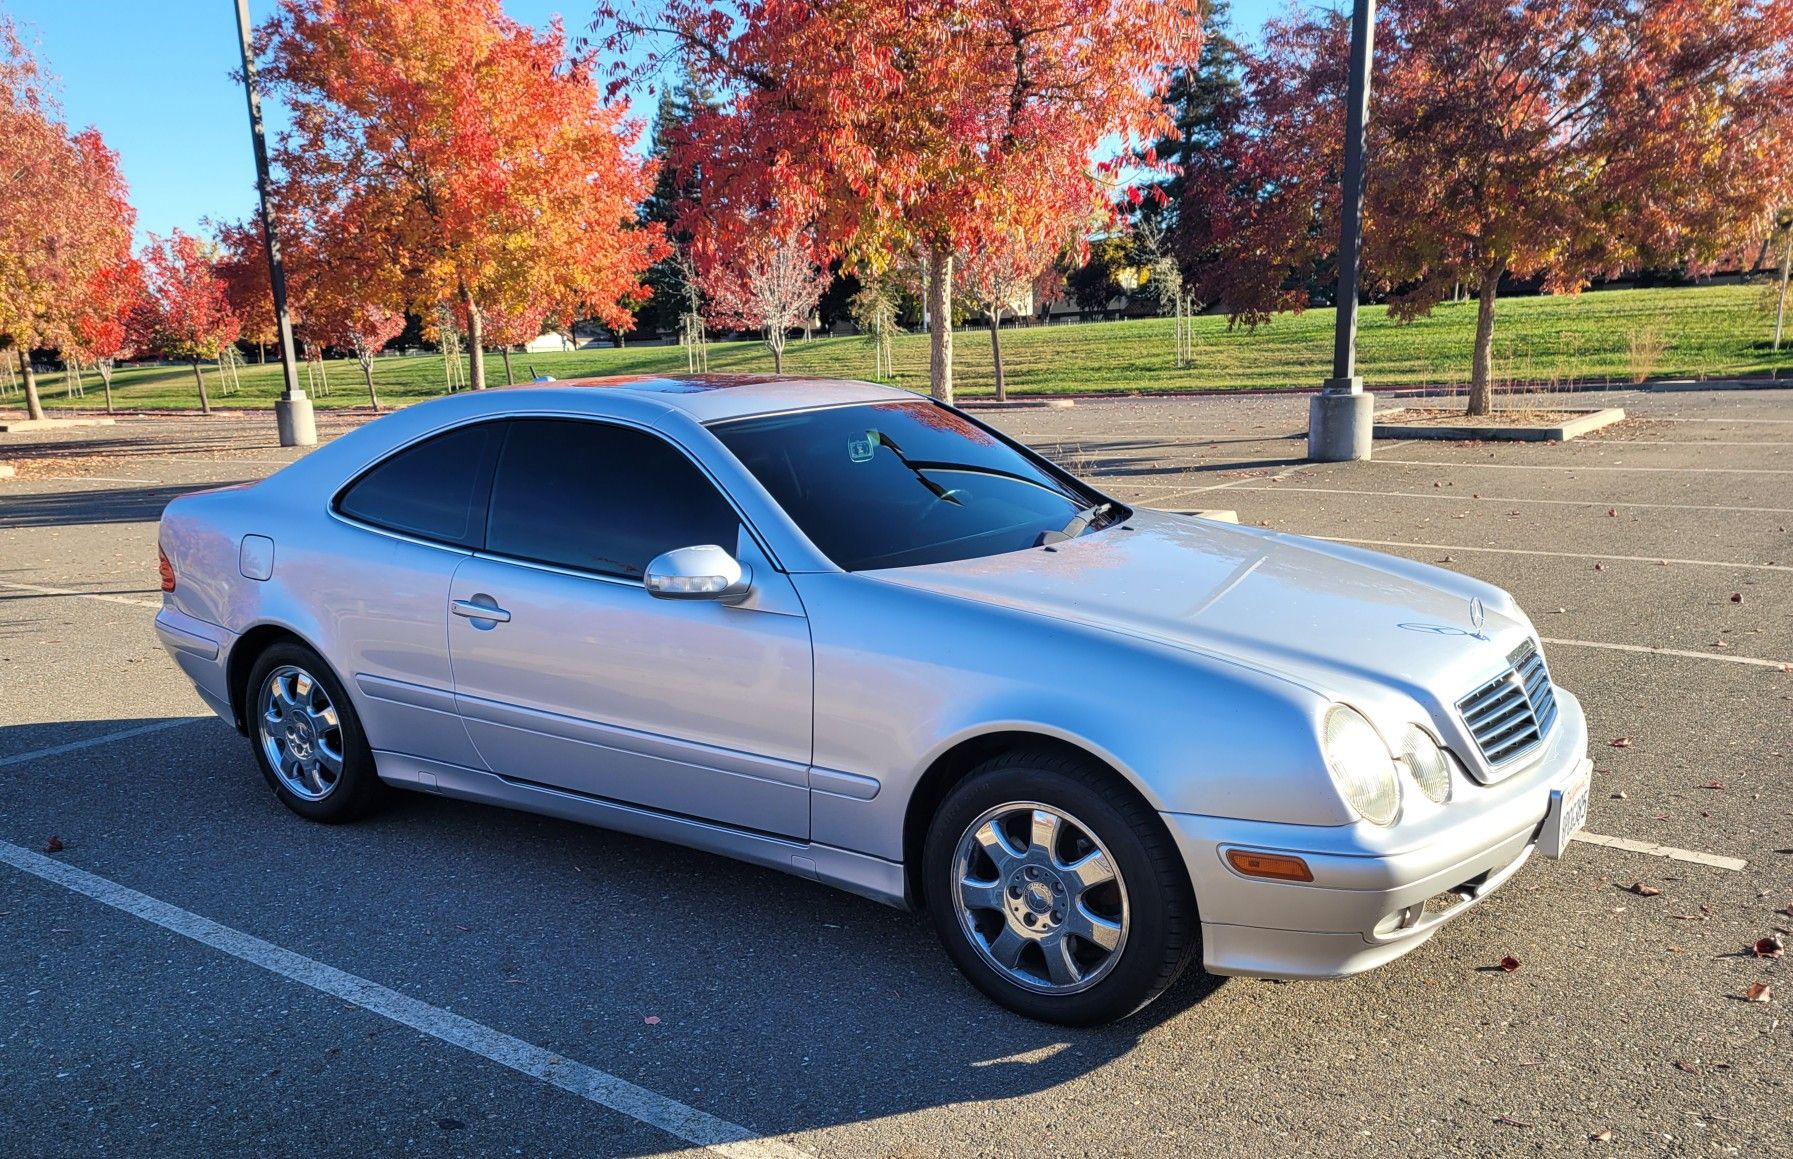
[(1361, 765), (1425, 762)]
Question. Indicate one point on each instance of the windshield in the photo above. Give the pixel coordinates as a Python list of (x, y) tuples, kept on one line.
[(903, 483)]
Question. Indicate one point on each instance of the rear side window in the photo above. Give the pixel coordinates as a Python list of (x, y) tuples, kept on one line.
[(434, 490), (600, 498)]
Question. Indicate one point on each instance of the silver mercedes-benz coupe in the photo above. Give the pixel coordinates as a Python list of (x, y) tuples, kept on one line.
[(847, 632)]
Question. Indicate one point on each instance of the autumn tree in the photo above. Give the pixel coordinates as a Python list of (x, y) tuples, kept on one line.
[(770, 283), (1549, 139), (100, 331), (999, 275), (512, 327), (887, 127), (185, 312), (467, 145), (64, 214), (243, 264)]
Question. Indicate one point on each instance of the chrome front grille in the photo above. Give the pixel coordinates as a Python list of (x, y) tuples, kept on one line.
[(1512, 714)]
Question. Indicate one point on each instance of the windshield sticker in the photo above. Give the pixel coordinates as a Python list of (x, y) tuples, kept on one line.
[(860, 450)]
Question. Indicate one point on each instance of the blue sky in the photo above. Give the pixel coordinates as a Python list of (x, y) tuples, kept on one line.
[(155, 79)]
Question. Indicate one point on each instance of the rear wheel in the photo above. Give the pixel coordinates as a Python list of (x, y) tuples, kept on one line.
[(1057, 891), (307, 738)]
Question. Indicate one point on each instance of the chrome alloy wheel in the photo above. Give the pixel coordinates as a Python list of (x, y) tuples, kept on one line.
[(299, 733), (1040, 897)]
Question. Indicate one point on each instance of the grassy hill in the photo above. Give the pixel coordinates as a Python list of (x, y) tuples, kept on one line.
[(1610, 336)]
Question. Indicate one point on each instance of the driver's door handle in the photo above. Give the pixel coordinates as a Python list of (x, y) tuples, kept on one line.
[(475, 611)]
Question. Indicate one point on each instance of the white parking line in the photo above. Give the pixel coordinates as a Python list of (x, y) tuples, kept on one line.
[(1450, 496), (93, 742), (107, 597), (1783, 665), (1590, 467), (1735, 864), (1657, 559), (593, 1085)]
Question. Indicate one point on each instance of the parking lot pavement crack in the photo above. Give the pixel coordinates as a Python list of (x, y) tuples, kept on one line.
[(596, 1086)]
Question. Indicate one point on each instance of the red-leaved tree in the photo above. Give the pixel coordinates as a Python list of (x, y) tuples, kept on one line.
[(1552, 139), (100, 331), (768, 282), (887, 128), (464, 146), (64, 214), (185, 312)]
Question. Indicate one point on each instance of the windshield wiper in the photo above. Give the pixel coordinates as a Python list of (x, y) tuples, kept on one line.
[(1079, 523)]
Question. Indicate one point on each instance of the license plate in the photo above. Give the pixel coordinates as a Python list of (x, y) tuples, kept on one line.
[(1568, 813)]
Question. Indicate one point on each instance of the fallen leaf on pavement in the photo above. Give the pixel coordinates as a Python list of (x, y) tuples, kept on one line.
[(1621, 742), (652, 1020), (1770, 946), (1759, 992), (1599, 567), (1715, 784), (53, 845), (1736, 597), (1600, 1137), (1683, 1065), (1510, 1121), (1509, 963), (1642, 890), (1611, 514)]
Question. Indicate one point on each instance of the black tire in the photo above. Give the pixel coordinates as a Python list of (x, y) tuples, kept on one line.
[(356, 789), (1163, 934)]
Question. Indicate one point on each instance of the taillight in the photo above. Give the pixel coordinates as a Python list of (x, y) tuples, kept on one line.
[(167, 569)]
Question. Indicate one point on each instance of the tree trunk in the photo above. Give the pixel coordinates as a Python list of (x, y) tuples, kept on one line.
[(106, 380), (34, 406), (775, 343), (1780, 311), (476, 351), (205, 404), (1481, 379), (940, 324), (261, 354), (509, 378), (367, 372), (1002, 393)]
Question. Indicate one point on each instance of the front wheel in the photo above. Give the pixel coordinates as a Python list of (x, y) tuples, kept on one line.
[(1057, 891), (307, 738)]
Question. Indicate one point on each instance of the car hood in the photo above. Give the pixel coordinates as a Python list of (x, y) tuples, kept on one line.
[(1334, 618)]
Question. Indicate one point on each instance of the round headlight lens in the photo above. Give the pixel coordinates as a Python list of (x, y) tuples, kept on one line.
[(1425, 762), (1361, 765)]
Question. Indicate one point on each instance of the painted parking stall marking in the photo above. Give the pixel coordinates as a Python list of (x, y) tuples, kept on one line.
[(589, 1083), (1694, 856), (96, 741)]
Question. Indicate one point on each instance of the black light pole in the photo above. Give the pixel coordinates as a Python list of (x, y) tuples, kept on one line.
[(1341, 416), (292, 410)]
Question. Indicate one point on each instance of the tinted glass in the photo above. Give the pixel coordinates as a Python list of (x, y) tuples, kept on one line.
[(896, 484), (434, 490), (600, 498)]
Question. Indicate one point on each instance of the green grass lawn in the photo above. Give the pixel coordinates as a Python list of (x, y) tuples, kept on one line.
[(1710, 332)]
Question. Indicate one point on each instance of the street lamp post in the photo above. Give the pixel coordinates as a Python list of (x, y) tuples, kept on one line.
[(1341, 417), (292, 410)]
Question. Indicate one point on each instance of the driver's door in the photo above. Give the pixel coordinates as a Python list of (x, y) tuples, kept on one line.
[(569, 674)]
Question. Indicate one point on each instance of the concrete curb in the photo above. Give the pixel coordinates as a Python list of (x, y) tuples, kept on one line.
[(14, 425), (1586, 420)]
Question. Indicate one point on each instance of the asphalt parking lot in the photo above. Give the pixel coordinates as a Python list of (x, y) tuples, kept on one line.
[(198, 971)]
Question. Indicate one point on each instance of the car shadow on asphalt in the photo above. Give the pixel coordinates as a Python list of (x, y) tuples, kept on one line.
[(760, 997)]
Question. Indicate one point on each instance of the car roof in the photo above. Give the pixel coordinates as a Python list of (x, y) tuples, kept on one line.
[(716, 397)]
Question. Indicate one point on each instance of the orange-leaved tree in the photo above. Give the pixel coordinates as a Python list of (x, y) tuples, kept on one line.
[(64, 214), (470, 148), (1552, 139), (185, 312), (100, 331), (887, 128)]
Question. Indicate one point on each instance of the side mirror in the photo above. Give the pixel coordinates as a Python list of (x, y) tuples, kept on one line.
[(698, 573)]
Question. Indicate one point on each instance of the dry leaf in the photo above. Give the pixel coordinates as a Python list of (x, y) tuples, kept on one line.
[(652, 1020), (1736, 597), (1715, 784), (1599, 567), (1611, 514), (1759, 992), (1642, 890), (1770, 947), (1600, 1137), (1509, 963), (1682, 1065), (1621, 742), (53, 845)]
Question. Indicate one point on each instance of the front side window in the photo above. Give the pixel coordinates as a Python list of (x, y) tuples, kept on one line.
[(904, 483), (434, 490), (600, 498)]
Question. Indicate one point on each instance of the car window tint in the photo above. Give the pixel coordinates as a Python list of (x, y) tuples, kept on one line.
[(904, 483), (600, 498), (434, 490)]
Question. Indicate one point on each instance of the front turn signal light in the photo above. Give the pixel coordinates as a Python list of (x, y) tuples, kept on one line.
[(1279, 866)]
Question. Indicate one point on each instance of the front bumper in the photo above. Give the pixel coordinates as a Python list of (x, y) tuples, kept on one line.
[(1368, 902)]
